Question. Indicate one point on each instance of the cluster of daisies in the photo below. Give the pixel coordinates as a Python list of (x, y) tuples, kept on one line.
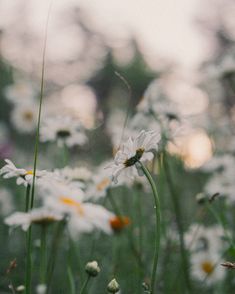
[(72, 194)]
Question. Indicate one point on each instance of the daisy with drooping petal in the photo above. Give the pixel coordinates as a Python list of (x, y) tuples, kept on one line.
[(41, 216), (134, 150), (23, 176), (63, 130)]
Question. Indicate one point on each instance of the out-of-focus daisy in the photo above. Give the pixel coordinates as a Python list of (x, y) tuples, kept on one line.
[(23, 176), (205, 266), (63, 130), (134, 150), (6, 205), (222, 179), (20, 92), (82, 174), (40, 216), (207, 246), (24, 117), (100, 182), (88, 218), (156, 101)]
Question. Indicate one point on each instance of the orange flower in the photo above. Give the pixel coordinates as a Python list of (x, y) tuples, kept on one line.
[(119, 222)]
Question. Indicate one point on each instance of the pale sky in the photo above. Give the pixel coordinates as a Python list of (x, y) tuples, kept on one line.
[(162, 28)]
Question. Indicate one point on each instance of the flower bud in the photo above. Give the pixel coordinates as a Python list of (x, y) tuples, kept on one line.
[(92, 268), (113, 286), (20, 288)]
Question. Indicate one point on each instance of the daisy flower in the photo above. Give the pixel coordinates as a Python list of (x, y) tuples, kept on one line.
[(23, 176), (205, 266), (206, 246), (20, 91), (24, 117), (100, 182), (134, 150), (63, 130), (40, 216)]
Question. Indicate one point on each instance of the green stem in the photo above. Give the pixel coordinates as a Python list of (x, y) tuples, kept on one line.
[(85, 285), (178, 216), (53, 252), (28, 271), (71, 278), (31, 201), (131, 241), (27, 199), (43, 256), (158, 225)]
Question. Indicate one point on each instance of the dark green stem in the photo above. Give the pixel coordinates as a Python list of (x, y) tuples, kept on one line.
[(157, 227), (27, 199), (178, 216)]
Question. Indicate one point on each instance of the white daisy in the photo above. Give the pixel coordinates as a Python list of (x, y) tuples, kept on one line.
[(100, 182), (39, 216), (205, 266), (206, 244), (134, 150), (63, 130), (24, 117), (74, 174), (90, 217), (20, 91), (23, 176)]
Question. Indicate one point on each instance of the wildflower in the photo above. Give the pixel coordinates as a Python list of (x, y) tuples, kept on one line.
[(24, 117), (92, 268), (23, 176), (206, 246), (74, 174), (40, 216), (113, 286), (89, 217), (119, 222), (100, 182), (134, 150), (63, 130), (205, 267), (20, 91)]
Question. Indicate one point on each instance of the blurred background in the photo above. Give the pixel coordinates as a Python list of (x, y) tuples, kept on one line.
[(188, 46)]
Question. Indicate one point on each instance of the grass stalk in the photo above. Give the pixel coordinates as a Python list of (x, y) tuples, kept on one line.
[(157, 227)]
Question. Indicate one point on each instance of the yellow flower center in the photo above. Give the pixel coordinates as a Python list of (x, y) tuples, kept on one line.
[(28, 115), (29, 172), (207, 266), (103, 184), (70, 202)]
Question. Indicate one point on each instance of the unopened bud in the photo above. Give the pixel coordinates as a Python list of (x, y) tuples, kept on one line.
[(20, 288), (113, 286), (92, 268)]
